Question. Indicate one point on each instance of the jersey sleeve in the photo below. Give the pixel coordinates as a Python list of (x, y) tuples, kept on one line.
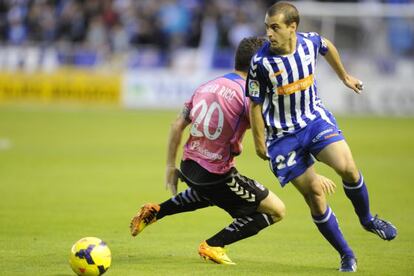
[(319, 42), (256, 81)]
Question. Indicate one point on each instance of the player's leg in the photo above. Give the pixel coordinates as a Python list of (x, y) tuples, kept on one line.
[(191, 199), (292, 162), (244, 199), (273, 206), (252, 206), (308, 184), (338, 156), (270, 210), (241, 228), (186, 201)]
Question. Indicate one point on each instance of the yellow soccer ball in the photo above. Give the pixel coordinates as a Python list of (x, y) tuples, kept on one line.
[(90, 257)]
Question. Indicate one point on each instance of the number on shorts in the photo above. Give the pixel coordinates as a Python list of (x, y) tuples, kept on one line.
[(205, 114), (280, 160)]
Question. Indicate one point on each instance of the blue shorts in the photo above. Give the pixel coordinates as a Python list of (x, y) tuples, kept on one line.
[(291, 155)]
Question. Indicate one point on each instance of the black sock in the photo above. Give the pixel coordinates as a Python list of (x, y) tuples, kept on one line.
[(188, 200), (241, 228)]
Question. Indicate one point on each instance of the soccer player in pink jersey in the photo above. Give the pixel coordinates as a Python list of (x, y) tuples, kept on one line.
[(218, 116)]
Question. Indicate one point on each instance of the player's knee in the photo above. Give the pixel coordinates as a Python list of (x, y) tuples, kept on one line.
[(273, 206), (315, 189), (279, 212), (315, 198), (349, 172)]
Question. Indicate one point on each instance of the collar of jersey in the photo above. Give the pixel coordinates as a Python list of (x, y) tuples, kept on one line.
[(233, 76)]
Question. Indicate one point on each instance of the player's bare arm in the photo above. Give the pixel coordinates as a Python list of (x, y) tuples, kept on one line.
[(257, 125), (174, 140), (334, 60)]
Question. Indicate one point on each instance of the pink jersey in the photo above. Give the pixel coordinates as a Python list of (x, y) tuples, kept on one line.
[(219, 116)]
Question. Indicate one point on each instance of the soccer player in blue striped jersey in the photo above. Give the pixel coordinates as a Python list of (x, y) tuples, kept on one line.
[(290, 124)]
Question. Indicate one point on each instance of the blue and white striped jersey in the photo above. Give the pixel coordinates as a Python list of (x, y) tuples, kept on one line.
[(286, 86)]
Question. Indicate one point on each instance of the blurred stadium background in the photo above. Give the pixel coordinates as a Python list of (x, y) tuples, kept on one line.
[(88, 90), (152, 54)]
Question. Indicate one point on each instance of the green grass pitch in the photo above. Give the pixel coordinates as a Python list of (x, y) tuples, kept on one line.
[(70, 173)]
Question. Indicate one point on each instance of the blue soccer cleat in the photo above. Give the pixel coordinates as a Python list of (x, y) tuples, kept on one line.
[(348, 264), (382, 228)]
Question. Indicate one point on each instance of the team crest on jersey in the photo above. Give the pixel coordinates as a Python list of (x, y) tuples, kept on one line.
[(254, 88)]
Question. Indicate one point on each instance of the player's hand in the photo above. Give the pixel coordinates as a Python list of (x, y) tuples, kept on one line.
[(328, 186), (353, 83), (262, 153), (171, 179)]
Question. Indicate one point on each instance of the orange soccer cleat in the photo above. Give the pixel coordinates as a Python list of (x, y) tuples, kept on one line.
[(145, 216), (215, 254)]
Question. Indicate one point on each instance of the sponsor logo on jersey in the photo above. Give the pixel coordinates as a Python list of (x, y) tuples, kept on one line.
[(296, 86), (196, 146)]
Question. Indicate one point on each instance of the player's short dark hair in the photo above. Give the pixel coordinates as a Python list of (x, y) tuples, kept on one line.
[(245, 51), (288, 10)]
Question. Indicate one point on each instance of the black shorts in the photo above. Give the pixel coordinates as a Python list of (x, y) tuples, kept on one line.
[(237, 194)]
